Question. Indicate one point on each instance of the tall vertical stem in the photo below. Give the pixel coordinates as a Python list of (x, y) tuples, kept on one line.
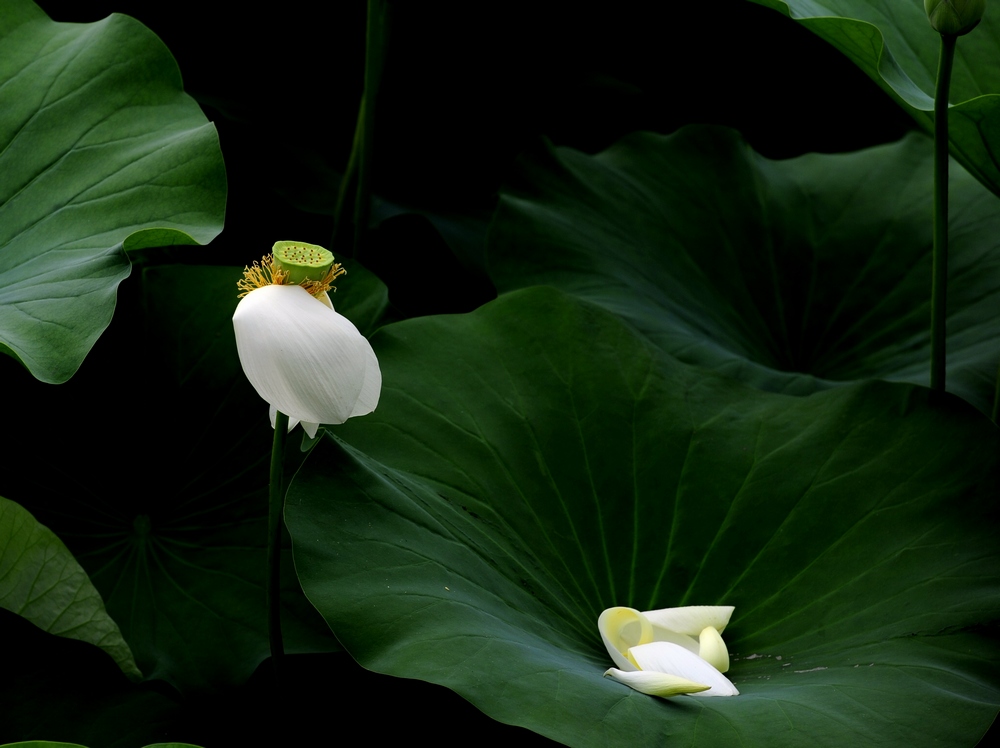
[(345, 195), (996, 399), (939, 277), (276, 502), (374, 52)]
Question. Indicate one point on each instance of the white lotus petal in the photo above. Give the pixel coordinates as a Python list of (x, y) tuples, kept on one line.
[(689, 643), (656, 684), (712, 649), (621, 629), (372, 386), (664, 657), (691, 619), (302, 357), (272, 413)]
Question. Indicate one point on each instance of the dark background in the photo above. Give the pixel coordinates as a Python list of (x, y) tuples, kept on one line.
[(467, 86)]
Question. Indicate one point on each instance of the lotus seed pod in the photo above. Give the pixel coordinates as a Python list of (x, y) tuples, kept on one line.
[(302, 261), (954, 17)]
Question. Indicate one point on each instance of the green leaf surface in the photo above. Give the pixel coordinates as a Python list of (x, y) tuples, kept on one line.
[(893, 42), (101, 152), (42, 582), (535, 462), (790, 275)]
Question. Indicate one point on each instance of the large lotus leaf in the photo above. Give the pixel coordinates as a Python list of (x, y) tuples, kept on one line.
[(892, 41), (175, 541), (101, 152), (787, 274), (42, 582), (535, 462)]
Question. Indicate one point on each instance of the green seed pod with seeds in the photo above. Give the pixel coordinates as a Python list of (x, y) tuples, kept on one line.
[(302, 261)]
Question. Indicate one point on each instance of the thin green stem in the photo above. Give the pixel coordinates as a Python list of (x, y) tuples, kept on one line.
[(939, 276), (348, 184), (276, 502), (374, 53), (996, 397)]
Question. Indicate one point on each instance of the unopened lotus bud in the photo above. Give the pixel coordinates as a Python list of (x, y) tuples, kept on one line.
[(954, 17), (302, 261)]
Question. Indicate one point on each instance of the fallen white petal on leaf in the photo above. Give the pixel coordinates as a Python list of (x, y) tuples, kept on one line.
[(643, 646), (691, 619), (664, 657), (712, 649), (656, 684)]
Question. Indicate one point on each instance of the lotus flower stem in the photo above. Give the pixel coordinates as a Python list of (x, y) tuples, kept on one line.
[(276, 502), (939, 276)]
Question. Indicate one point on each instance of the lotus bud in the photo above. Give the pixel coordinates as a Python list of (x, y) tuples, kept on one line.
[(954, 17)]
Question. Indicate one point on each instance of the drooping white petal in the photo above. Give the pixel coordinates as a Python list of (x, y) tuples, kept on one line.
[(622, 628), (302, 357), (656, 684), (272, 413), (712, 649), (691, 619), (664, 657), (309, 428), (372, 386)]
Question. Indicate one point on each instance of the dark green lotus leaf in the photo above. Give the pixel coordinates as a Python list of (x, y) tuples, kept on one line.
[(791, 275), (42, 582), (101, 152), (893, 42), (171, 524), (535, 462)]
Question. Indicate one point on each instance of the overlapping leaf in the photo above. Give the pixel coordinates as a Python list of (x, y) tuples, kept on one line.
[(42, 582), (535, 462), (790, 275), (101, 152), (893, 42)]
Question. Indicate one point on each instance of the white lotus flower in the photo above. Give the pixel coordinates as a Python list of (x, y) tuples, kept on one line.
[(669, 652), (302, 357)]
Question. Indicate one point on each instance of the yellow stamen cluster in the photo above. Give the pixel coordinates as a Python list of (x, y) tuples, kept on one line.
[(265, 273), (322, 286)]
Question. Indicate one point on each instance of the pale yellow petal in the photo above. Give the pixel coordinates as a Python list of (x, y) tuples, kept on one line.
[(656, 684), (712, 649), (622, 628)]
